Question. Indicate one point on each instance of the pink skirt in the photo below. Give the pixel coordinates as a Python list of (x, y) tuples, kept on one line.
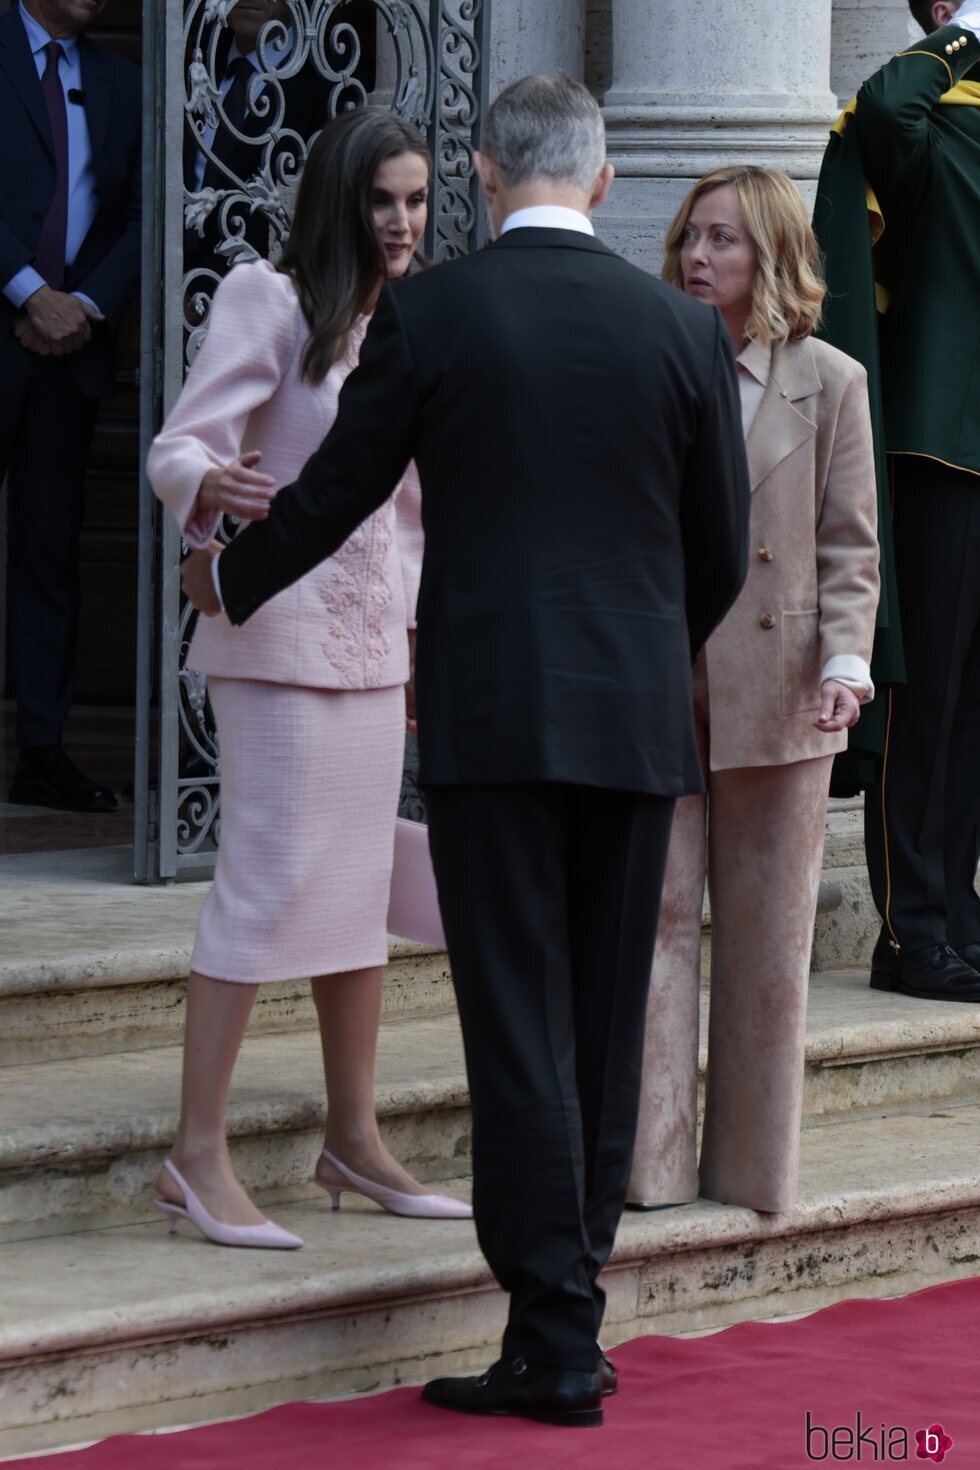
[(309, 796)]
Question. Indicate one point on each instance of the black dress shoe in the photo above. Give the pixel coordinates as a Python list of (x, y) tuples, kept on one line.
[(936, 972), (46, 777), (608, 1377), (549, 1395), (970, 954)]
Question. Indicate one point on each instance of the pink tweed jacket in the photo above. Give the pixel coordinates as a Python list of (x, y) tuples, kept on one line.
[(343, 625)]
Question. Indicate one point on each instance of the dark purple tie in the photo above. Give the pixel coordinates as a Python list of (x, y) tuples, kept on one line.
[(50, 258)]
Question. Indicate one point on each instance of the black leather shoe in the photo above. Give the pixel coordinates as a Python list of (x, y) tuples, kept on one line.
[(936, 972), (608, 1377), (549, 1395), (46, 777), (970, 954)]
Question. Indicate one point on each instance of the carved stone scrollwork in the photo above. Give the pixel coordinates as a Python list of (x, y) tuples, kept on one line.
[(421, 58)]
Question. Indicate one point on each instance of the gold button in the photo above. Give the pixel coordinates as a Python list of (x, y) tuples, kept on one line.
[(764, 554), (767, 621)]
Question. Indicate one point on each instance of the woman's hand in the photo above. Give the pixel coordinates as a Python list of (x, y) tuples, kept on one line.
[(840, 708), (238, 489), (197, 580)]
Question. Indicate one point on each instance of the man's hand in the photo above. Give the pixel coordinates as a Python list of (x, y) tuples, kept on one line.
[(411, 723), (31, 339), (238, 489), (63, 321), (197, 581), (839, 708)]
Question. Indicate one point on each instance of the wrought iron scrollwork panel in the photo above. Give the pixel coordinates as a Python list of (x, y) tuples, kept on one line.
[(425, 61)]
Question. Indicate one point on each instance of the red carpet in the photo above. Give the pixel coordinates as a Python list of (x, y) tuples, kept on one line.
[(736, 1400)]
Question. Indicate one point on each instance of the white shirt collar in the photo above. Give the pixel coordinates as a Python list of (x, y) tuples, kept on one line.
[(548, 217), (755, 358), (38, 37)]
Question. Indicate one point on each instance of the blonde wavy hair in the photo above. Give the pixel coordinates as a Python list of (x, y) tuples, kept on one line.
[(789, 284)]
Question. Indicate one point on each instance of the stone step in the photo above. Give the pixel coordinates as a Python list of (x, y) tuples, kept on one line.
[(81, 1140), (125, 1329), (92, 963)]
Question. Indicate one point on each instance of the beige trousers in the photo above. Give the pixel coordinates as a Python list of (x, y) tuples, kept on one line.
[(758, 836)]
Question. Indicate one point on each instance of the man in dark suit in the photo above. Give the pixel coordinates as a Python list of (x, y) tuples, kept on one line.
[(251, 106), (69, 264), (577, 430)]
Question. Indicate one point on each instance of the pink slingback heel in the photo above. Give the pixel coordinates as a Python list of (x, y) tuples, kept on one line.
[(420, 1206), (266, 1236)]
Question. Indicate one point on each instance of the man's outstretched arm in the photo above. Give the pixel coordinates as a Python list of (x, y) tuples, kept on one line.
[(353, 472)]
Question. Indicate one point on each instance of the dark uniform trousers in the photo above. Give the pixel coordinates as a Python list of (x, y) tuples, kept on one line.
[(550, 920), (46, 426), (922, 820)]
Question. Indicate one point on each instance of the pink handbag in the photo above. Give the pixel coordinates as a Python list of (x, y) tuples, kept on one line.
[(413, 908)]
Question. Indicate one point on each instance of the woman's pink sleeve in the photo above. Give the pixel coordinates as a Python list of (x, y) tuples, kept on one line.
[(249, 345)]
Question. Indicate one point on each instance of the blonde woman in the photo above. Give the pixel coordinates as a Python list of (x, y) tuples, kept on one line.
[(776, 689)]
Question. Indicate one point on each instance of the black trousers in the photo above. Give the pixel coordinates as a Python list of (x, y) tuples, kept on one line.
[(46, 427), (550, 895), (921, 822)]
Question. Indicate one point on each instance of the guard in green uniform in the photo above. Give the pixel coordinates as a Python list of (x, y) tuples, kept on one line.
[(898, 216)]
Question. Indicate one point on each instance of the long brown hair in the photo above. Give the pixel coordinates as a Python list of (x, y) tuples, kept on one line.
[(333, 253)]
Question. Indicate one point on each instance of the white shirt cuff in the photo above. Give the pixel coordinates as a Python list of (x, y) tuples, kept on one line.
[(852, 671), (22, 285), (216, 579), (82, 297)]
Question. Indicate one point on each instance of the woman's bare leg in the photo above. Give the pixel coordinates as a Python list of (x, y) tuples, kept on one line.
[(217, 1015), (349, 1009)]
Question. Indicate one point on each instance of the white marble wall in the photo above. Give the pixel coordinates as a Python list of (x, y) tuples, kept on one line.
[(865, 33), (536, 36), (699, 84)]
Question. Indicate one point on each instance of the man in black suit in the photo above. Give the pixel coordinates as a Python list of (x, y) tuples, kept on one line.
[(69, 264), (577, 430), (251, 106)]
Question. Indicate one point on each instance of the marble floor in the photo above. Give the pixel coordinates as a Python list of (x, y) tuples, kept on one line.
[(100, 742)]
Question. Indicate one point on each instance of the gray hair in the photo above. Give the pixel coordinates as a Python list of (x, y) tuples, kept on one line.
[(546, 127)]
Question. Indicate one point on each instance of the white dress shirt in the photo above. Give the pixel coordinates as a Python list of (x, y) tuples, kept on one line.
[(276, 53), (83, 200), (754, 364)]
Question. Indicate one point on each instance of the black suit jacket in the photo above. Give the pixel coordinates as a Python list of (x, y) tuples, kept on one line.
[(306, 99), (108, 264), (578, 435)]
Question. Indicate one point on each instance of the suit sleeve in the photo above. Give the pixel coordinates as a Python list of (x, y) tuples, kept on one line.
[(895, 108), (250, 342), (716, 500), (113, 281), (353, 472), (411, 541), (847, 534)]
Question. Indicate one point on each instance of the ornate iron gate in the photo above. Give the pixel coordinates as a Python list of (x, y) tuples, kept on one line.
[(426, 60)]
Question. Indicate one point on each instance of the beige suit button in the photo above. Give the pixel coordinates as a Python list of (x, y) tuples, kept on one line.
[(767, 621), (764, 554), (949, 49), (963, 41)]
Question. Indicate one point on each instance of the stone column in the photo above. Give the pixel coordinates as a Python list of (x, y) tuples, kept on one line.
[(540, 36), (865, 34), (700, 84)]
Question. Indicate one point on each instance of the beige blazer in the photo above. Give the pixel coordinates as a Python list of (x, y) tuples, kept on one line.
[(812, 588)]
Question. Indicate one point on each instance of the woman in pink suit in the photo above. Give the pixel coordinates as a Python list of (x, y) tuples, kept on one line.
[(309, 698), (776, 688)]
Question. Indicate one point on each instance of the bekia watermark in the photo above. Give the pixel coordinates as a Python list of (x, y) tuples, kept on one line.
[(874, 1443)]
